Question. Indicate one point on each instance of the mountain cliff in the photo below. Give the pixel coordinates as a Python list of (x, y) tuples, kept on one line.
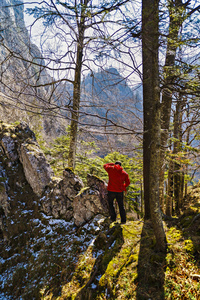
[(21, 70), (112, 110)]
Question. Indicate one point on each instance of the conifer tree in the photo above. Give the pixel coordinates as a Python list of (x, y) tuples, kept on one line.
[(151, 110)]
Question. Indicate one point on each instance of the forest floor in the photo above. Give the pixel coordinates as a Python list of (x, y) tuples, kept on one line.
[(104, 260)]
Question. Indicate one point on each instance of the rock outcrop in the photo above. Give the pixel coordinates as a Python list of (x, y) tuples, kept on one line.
[(37, 171), (90, 201), (59, 196), (19, 142), (4, 201), (25, 176)]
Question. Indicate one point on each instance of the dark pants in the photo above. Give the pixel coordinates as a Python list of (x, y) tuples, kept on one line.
[(119, 197)]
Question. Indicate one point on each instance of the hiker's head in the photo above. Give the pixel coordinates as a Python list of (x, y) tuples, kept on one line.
[(118, 163)]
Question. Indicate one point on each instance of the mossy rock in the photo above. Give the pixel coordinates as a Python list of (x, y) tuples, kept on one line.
[(100, 241)]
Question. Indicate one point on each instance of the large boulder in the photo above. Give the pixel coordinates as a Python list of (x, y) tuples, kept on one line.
[(36, 169), (58, 197), (98, 184), (90, 201), (71, 184), (54, 203), (19, 143)]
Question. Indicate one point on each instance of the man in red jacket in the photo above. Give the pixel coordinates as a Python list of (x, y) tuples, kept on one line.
[(117, 184)]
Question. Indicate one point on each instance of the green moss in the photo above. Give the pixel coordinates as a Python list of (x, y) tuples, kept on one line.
[(6, 134), (32, 147), (97, 177), (16, 123), (173, 235), (83, 191), (169, 258), (132, 258), (71, 170), (130, 232), (85, 265), (189, 246), (195, 208)]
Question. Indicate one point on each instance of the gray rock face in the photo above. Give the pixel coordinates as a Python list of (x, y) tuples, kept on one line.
[(98, 184), (21, 72), (19, 143), (71, 184), (90, 201), (4, 204), (36, 169), (4, 198), (55, 204), (61, 198), (8, 144), (4, 201)]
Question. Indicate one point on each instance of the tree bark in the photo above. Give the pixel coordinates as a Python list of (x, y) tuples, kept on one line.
[(75, 110), (178, 180), (77, 89), (148, 24), (175, 23), (186, 169), (169, 201), (152, 128)]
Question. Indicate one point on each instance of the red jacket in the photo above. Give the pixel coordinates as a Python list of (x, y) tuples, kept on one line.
[(118, 178)]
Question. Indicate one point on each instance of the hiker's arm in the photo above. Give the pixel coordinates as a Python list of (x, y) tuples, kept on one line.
[(127, 182), (108, 166)]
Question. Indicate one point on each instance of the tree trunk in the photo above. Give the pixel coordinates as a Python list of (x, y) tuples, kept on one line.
[(169, 201), (147, 103), (152, 129), (177, 148), (142, 198), (186, 169), (75, 111), (76, 95), (174, 27)]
